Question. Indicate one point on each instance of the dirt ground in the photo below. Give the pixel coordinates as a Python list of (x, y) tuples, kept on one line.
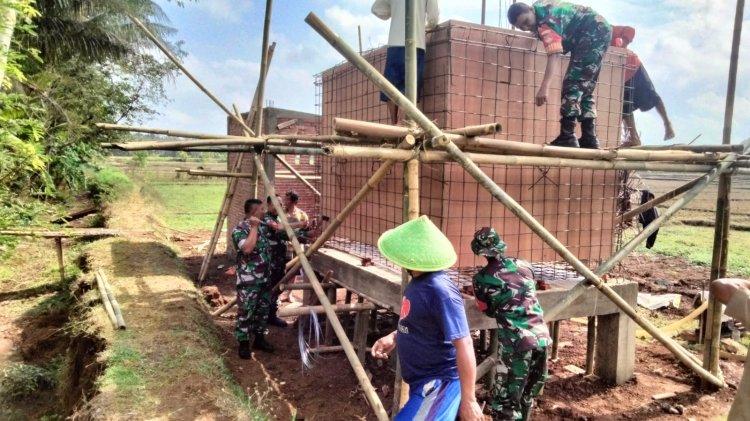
[(329, 390)]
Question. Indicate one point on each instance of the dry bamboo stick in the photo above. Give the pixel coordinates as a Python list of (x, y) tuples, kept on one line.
[(299, 176), (351, 355), (654, 202), (338, 308), (177, 144), (115, 305), (168, 132), (105, 301), (323, 349), (264, 57), (294, 150), (319, 138), (691, 148), (479, 130), (370, 130), (486, 366), (187, 73)]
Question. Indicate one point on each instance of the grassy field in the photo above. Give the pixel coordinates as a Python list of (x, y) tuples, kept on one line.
[(187, 206)]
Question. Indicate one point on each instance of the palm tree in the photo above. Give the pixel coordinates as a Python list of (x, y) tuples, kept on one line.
[(94, 30)]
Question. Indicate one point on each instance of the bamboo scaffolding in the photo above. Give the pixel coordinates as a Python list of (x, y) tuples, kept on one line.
[(260, 90), (441, 140), (190, 76), (347, 152), (337, 308), (299, 176), (351, 355), (318, 138), (654, 202), (692, 148)]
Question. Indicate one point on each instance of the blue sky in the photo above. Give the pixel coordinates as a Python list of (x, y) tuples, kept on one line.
[(685, 45)]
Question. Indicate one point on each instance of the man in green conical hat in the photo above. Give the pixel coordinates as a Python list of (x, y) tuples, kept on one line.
[(433, 341), (506, 291)]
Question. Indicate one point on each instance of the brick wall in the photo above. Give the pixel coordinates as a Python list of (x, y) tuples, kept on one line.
[(476, 74)]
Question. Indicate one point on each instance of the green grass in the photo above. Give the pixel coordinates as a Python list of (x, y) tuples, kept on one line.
[(188, 206), (696, 245)]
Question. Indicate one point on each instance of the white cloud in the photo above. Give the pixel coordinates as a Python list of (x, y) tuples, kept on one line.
[(228, 10)]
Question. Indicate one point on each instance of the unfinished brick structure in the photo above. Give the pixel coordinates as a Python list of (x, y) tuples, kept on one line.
[(291, 122), (478, 74)]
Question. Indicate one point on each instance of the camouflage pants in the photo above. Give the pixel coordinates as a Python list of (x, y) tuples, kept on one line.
[(518, 380), (253, 306), (583, 72)]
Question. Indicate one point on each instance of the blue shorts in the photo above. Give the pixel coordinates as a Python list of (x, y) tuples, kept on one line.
[(395, 69), (436, 399)]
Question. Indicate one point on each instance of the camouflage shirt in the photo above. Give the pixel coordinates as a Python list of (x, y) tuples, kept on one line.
[(505, 289), (562, 25), (252, 268), (277, 242)]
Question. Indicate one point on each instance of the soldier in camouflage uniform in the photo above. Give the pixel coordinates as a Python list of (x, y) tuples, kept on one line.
[(250, 239), (277, 251), (505, 290), (565, 27)]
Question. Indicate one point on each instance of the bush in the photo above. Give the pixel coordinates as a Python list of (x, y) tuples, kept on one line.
[(109, 184), (21, 381)]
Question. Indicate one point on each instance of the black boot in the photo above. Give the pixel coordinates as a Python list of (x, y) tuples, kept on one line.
[(244, 350), (261, 344), (588, 138), (567, 137)]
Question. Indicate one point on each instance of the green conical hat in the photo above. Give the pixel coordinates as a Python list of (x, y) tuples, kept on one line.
[(418, 245)]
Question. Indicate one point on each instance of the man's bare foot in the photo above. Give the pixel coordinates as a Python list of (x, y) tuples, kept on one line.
[(668, 132)]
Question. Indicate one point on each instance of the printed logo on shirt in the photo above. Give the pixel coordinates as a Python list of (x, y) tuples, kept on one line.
[(405, 307)]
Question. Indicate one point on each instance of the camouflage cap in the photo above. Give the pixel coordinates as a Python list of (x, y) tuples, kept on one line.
[(487, 243)]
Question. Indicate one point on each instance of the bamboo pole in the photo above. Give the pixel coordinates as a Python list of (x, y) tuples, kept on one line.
[(486, 366), (371, 130), (179, 144), (691, 148), (115, 305), (479, 130), (590, 344), (105, 300), (337, 308), (359, 371), (721, 234), (293, 150), (307, 286), (168, 132), (343, 151), (299, 176), (318, 138), (60, 260), (439, 139), (187, 73), (654, 202)]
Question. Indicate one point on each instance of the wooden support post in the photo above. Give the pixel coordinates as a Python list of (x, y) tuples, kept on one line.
[(494, 345), (555, 340), (60, 260), (359, 371), (361, 325), (590, 344), (328, 336), (439, 139)]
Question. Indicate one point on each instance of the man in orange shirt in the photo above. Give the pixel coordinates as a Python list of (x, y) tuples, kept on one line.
[(640, 93)]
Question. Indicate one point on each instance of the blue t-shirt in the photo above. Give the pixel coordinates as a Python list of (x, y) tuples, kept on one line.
[(432, 316)]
